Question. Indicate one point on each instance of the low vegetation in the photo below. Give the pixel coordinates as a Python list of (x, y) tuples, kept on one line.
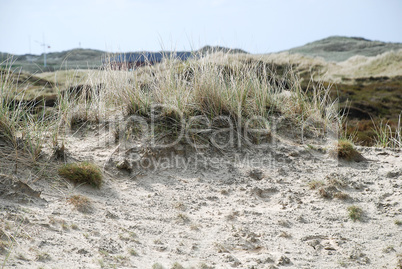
[(355, 213), (344, 149), (82, 173), (187, 101)]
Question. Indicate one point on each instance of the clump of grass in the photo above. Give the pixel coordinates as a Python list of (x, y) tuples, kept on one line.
[(386, 136), (23, 123), (315, 184), (83, 172), (344, 149), (355, 213), (341, 195), (325, 192), (81, 203)]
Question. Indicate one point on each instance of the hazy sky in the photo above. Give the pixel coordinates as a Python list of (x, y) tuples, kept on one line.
[(257, 26)]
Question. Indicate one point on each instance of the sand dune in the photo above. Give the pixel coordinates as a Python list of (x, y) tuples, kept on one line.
[(239, 209)]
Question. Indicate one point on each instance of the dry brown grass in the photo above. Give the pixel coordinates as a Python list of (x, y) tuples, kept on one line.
[(81, 203)]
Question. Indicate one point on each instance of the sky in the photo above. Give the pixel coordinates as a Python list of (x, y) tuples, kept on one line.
[(256, 26)]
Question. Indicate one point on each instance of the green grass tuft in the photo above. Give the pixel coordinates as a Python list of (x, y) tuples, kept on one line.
[(83, 172), (355, 213), (345, 150)]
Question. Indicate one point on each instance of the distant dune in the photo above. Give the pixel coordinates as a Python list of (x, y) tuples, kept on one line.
[(341, 48)]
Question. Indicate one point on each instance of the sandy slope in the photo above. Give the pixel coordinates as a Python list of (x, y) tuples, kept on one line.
[(238, 209)]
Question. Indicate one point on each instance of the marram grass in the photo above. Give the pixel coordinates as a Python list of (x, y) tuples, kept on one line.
[(82, 173)]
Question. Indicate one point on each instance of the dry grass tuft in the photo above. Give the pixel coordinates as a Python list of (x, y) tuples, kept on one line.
[(315, 184), (341, 195), (81, 203), (83, 172)]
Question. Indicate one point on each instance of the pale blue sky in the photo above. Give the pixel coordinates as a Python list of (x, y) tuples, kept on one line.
[(256, 26)]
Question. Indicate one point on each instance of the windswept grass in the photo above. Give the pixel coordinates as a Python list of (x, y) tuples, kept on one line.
[(84, 172), (230, 91), (386, 136), (23, 125), (198, 101)]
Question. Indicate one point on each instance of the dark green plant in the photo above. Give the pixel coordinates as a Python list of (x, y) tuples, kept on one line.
[(83, 172)]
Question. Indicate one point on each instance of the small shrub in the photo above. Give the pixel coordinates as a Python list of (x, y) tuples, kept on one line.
[(398, 222), (84, 172), (346, 151), (355, 213)]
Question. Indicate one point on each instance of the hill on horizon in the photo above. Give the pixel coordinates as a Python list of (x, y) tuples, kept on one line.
[(341, 48), (331, 49), (91, 59)]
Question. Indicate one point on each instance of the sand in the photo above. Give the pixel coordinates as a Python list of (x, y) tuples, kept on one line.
[(251, 208)]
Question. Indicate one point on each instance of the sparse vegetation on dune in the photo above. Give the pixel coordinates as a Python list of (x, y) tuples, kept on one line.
[(84, 172), (236, 91), (355, 213), (238, 207), (220, 83)]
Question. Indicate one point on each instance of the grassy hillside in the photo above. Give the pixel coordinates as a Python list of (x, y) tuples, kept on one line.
[(71, 59), (228, 85), (340, 48), (368, 88)]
